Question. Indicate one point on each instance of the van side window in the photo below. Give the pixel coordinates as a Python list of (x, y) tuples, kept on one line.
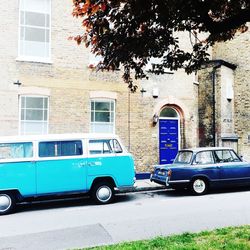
[(60, 148), (100, 147), (104, 146), (116, 146), (16, 150)]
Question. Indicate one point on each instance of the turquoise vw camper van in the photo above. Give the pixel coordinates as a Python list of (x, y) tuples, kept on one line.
[(49, 165)]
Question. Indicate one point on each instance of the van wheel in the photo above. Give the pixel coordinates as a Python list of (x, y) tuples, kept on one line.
[(103, 193), (7, 203), (199, 186)]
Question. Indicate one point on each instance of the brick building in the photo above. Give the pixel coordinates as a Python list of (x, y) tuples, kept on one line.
[(225, 120), (47, 86)]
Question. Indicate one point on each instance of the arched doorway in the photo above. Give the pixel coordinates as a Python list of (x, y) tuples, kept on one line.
[(169, 134)]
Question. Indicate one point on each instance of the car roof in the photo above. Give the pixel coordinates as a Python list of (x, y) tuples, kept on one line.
[(198, 149)]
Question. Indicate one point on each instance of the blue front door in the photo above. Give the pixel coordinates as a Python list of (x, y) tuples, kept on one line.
[(169, 141)]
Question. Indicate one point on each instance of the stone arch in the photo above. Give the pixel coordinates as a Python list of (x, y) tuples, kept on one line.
[(182, 111)]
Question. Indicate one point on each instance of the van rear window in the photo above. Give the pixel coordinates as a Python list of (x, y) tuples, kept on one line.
[(60, 148), (16, 150)]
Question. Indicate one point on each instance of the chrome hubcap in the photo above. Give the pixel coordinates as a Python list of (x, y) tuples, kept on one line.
[(5, 202), (103, 193), (199, 186)]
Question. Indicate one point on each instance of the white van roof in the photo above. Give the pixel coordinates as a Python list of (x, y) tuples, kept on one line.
[(50, 137)]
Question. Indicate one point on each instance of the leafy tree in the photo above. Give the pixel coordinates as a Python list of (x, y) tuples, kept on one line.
[(131, 32)]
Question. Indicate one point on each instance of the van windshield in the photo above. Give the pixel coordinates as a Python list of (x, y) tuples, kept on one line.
[(183, 157)]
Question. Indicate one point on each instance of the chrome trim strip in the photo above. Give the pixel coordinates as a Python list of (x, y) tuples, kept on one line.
[(179, 181), (231, 179)]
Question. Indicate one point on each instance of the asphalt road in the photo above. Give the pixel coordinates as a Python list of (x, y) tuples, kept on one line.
[(78, 223)]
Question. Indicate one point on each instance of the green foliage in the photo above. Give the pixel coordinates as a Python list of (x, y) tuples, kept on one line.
[(221, 239), (129, 33)]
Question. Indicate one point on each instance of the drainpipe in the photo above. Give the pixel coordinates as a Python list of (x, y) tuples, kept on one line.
[(214, 102)]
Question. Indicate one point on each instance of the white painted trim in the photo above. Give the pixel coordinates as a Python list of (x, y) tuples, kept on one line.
[(34, 91), (103, 94)]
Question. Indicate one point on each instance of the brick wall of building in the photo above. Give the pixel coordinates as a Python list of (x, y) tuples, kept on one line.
[(69, 84), (237, 51)]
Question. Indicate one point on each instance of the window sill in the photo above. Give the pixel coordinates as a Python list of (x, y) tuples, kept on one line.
[(34, 60)]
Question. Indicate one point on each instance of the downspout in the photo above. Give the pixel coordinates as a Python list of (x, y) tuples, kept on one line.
[(214, 103)]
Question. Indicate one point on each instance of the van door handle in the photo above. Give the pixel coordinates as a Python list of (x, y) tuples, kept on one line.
[(94, 163), (82, 164)]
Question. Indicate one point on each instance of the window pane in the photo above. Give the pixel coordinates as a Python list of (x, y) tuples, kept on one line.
[(45, 113), (183, 157), (34, 102), (47, 37), (60, 148), (168, 112), (102, 127), (35, 19), (34, 115), (112, 117), (35, 34), (45, 103), (47, 149), (33, 128), (225, 156), (41, 6), (69, 148), (92, 116), (36, 49), (22, 13), (116, 147), (22, 114), (47, 20), (92, 105), (205, 157), (104, 106), (16, 150), (102, 116), (112, 106), (22, 33), (99, 147)]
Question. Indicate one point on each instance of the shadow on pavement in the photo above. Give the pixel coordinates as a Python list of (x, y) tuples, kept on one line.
[(120, 198)]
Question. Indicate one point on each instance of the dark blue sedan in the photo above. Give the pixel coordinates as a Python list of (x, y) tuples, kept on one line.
[(200, 169)]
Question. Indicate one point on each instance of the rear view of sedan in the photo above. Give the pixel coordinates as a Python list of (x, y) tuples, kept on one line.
[(200, 169)]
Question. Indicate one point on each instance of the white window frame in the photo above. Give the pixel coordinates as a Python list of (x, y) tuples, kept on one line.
[(20, 113), (114, 111), (33, 58)]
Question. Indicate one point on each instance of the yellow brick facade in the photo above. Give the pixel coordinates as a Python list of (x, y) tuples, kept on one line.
[(70, 84)]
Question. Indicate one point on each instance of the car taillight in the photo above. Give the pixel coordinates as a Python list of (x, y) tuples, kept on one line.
[(169, 172)]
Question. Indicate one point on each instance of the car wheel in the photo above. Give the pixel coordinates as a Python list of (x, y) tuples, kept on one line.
[(103, 193), (7, 203), (199, 186)]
